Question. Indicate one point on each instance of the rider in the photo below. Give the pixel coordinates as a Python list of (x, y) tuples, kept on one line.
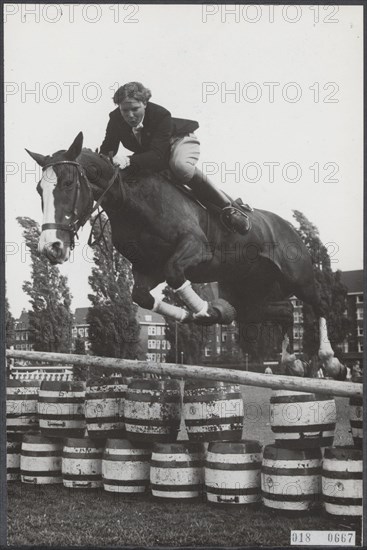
[(158, 141)]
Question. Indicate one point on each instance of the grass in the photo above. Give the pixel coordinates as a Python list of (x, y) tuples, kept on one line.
[(57, 516)]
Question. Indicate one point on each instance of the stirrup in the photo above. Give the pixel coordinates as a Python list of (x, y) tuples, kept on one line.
[(226, 219)]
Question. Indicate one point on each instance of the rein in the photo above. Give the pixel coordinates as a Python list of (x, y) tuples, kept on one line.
[(79, 220)]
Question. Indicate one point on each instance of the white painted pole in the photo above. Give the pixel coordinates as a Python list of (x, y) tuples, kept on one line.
[(316, 385)]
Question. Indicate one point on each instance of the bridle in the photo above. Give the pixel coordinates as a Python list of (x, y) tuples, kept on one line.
[(79, 220)]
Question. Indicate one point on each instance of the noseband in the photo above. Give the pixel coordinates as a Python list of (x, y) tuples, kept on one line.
[(79, 220)]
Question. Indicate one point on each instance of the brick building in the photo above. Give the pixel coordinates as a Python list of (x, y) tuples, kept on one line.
[(22, 332), (353, 345)]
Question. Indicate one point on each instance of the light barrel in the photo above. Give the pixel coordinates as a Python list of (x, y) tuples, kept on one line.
[(152, 410), (177, 470), (291, 478), (213, 411), (61, 409), (104, 408), (21, 406), (356, 420), (81, 464), (342, 481), (233, 472), (13, 447), (40, 460), (302, 420), (125, 466)]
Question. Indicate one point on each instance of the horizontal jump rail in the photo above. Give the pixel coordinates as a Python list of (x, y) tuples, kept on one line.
[(276, 382)]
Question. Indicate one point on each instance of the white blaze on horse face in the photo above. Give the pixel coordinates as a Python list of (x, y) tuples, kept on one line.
[(49, 242)]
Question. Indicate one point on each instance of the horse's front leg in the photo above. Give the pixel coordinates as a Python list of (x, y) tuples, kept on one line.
[(142, 296), (190, 252)]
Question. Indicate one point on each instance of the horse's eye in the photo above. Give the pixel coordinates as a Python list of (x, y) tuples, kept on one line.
[(68, 183)]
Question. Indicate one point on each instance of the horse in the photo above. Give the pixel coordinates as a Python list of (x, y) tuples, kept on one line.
[(168, 237)]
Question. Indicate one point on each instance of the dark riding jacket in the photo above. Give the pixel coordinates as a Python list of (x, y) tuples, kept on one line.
[(158, 128)]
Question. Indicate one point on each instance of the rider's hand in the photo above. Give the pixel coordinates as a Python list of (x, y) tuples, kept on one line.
[(121, 160)]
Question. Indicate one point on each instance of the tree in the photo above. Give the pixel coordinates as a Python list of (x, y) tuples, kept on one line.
[(50, 318), (113, 328), (9, 325), (191, 338), (79, 346), (333, 293)]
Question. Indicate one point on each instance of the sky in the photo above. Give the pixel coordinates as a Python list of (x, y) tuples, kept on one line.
[(277, 91)]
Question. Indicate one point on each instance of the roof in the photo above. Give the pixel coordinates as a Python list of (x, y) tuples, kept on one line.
[(24, 319), (149, 316), (353, 280), (80, 316)]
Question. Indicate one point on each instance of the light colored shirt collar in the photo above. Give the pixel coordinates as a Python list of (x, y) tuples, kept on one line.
[(140, 125)]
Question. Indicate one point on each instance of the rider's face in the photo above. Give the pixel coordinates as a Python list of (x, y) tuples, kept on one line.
[(132, 111)]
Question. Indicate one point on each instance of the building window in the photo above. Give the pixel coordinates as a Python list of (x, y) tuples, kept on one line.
[(158, 344), (163, 344), (207, 351), (148, 317), (360, 347), (163, 357), (168, 345), (151, 331), (163, 331), (86, 332), (158, 357), (81, 331), (360, 331), (360, 299), (151, 344), (359, 314), (345, 346), (159, 331), (224, 337)]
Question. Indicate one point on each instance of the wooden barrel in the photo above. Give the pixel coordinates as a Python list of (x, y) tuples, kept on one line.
[(342, 481), (125, 466), (61, 409), (13, 446), (153, 410), (81, 464), (302, 420), (177, 470), (40, 460), (233, 472), (356, 420), (213, 411), (291, 478), (21, 406), (104, 408)]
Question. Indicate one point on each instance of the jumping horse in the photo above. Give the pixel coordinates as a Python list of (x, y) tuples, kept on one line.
[(168, 237)]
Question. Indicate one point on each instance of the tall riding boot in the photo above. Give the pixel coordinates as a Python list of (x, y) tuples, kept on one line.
[(231, 216)]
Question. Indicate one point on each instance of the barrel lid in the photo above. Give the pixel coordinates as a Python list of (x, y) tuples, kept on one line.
[(106, 381), (277, 453), (11, 383), (286, 396), (125, 444), (37, 438), (81, 442), (197, 384), (63, 385), (152, 384), (347, 452), (235, 447), (176, 448)]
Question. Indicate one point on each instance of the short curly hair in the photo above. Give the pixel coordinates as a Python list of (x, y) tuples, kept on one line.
[(132, 90)]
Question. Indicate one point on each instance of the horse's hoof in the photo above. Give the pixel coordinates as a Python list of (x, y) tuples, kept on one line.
[(226, 312)]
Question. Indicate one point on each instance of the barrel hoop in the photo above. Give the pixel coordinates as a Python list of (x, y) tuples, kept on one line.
[(233, 467), (341, 475), (161, 400), (308, 398), (81, 456), (22, 397), (127, 458), (208, 398), (58, 416), (176, 463), (126, 483), (346, 501), (290, 498), (104, 419), (21, 414), (41, 473), (357, 401), (13, 470), (175, 488), (105, 395), (41, 453), (215, 421), (236, 491), (304, 428), (356, 423), (151, 422), (82, 477), (291, 471), (13, 451), (60, 400)]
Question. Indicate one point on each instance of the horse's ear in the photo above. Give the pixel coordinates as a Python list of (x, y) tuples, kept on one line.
[(75, 148), (40, 159)]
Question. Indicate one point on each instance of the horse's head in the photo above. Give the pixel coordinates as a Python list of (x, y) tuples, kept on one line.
[(66, 200)]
